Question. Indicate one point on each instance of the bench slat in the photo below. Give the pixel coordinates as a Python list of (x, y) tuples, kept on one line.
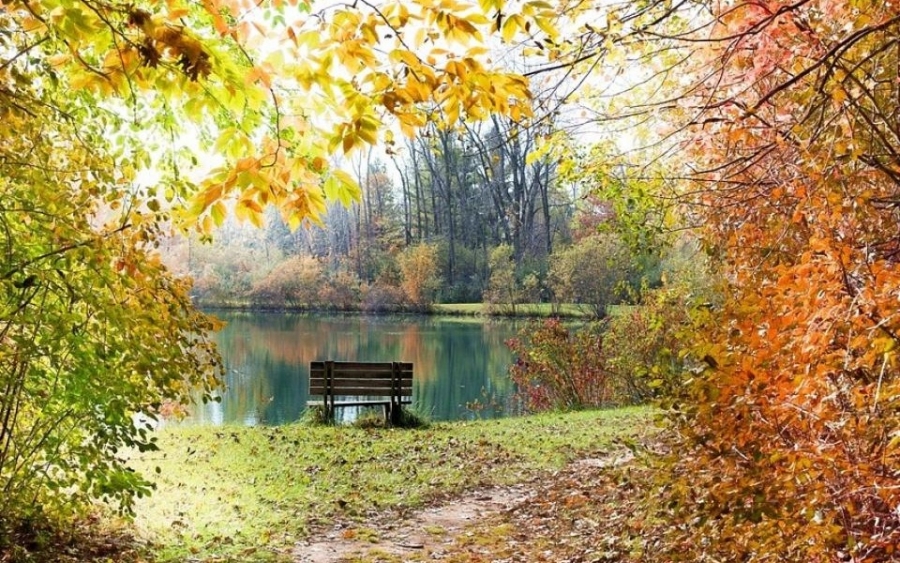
[(360, 403), (357, 381), (359, 373), (362, 391), (338, 384), (361, 366)]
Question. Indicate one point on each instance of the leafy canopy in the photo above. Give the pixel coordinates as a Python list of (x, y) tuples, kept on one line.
[(780, 146), (121, 120)]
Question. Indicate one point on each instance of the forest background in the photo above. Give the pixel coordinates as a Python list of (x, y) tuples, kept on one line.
[(452, 217)]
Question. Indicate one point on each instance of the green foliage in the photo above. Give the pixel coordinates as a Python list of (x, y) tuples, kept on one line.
[(315, 415), (632, 357), (531, 288), (503, 287), (647, 345), (594, 272), (409, 418), (97, 337)]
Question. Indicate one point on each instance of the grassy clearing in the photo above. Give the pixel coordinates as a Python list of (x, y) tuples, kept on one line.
[(248, 494)]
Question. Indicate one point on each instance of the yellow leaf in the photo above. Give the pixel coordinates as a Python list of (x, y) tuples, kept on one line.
[(839, 95), (348, 142), (511, 27), (294, 221), (547, 26), (218, 212), (457, 69)]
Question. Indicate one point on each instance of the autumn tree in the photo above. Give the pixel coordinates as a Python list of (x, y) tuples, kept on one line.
[(594, 272), (419, 271), (120, 120), (93, 328), (799, 198), (503, 286), (785, 114)]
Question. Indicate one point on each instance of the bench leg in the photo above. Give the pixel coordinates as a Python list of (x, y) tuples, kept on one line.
[(395, 413), (329, 409)]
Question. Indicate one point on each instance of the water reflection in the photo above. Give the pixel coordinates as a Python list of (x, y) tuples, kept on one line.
[(267, 355)]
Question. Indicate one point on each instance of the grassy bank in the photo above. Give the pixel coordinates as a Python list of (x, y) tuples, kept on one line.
[(541, 310), (525, 310), (248, 494)]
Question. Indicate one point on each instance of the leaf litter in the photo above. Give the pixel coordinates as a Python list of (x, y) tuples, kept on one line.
[(557, 516)]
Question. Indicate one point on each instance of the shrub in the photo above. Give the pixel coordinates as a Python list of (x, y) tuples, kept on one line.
[(557, 368), (89, 342), (644, 346), (314, 415), (410, 418), (626, 359), (381, 297), (592, 272), (341, 291), (293, 283)]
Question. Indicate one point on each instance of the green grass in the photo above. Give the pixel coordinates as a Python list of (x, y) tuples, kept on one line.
[(248, 494)]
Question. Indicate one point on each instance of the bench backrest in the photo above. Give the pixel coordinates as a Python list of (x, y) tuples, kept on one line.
[(371, 379)]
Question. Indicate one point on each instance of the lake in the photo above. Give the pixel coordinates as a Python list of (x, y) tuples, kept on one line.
[(460, 363)]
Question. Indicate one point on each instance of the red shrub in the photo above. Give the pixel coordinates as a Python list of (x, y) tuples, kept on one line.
[(561, 369)]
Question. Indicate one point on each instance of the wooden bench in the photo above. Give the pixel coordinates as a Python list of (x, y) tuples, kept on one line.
[(391, 380)]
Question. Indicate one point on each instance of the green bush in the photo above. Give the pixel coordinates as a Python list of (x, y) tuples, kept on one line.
[(645, 346), (96, 342), (594, 272)]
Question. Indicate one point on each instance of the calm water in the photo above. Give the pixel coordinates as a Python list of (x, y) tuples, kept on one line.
[(456, 362)]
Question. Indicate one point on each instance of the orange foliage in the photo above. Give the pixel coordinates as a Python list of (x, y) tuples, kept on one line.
[(790, 445), (419, 268)]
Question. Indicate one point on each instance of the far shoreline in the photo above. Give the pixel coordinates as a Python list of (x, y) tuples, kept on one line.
[(522, 310)]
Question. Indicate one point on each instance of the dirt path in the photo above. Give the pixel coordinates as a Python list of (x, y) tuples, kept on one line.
[(430, 533)]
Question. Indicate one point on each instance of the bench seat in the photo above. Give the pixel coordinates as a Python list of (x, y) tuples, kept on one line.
[(360, 382)]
